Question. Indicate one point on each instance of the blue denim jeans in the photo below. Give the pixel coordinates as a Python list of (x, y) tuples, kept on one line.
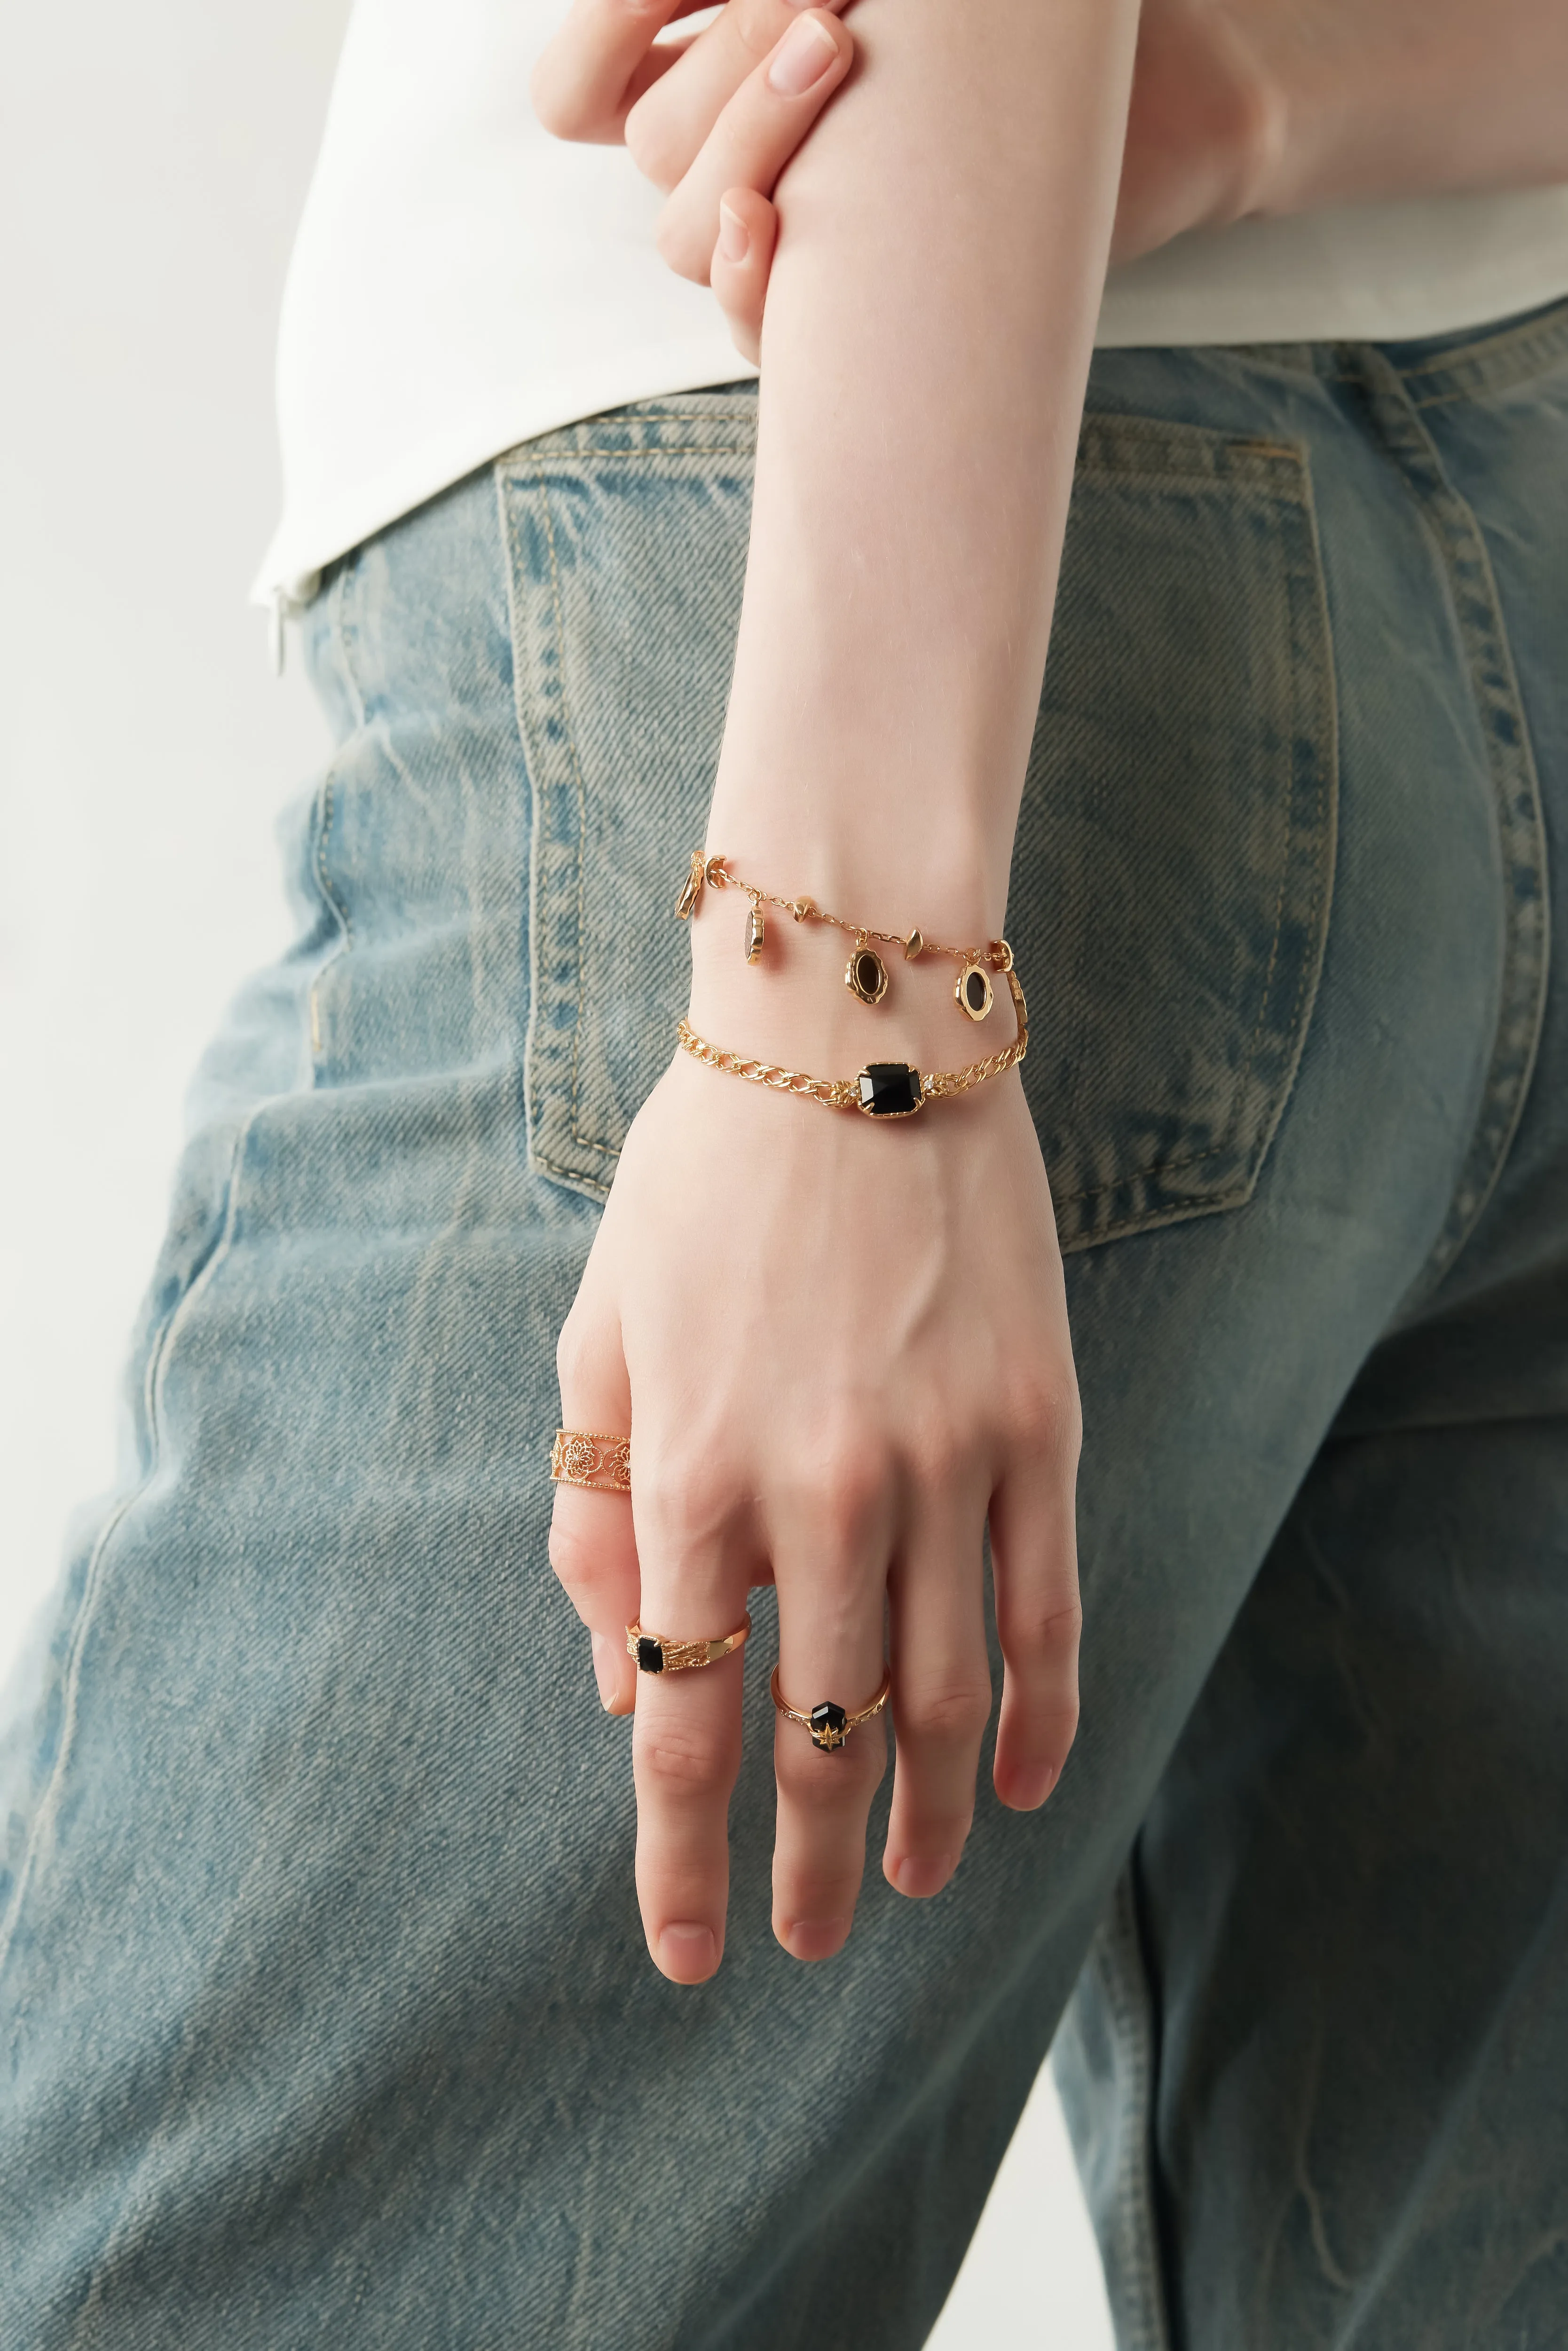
[(326, 2011)]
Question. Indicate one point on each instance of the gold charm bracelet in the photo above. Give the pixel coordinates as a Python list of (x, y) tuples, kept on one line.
[(882, 1089), (865, 975)]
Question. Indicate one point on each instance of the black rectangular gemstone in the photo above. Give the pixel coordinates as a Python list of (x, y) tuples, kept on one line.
[(650, 1656), (889, 1089)]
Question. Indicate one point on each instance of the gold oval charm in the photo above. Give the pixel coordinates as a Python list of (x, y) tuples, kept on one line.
[(973, 993), (754, 934), (865, 976)]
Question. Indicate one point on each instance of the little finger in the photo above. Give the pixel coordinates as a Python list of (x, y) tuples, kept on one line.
[(941, 1699), (1034, 1559), (742, 259)]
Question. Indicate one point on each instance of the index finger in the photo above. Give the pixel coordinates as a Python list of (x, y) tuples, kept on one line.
[(599, 63)]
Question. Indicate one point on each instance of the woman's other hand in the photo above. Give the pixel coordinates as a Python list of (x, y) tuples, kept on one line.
[(712, 122)]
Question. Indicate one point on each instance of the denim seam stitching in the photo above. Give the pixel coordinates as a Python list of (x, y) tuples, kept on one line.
[(1238, 1192), (152, 1394), (1125, 1982), (326, 803), (1447, 530), (589, 1142), (505, 479), (535, 464)]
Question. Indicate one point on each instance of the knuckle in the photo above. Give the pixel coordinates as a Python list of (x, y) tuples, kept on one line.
[(679, 250), (841, 1486), (573, 1353), (945, 1451), (1047, 1628), (675, 1763), (828, 1785), (755, 23), (654, 143), (947, 1713), (575, 1557), (1047, 1420), (685, 1506), (555, 100)]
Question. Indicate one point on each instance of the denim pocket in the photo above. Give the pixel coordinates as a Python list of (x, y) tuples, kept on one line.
[(1175, 860), (1171, 885), (626, 540)]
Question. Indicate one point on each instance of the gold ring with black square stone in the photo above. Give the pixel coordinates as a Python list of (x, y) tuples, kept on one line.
[(829, 1723), (656, 1654)]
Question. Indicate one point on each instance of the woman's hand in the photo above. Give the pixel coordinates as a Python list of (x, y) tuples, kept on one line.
[(1238, 107), (839, 1349), (712, 122)]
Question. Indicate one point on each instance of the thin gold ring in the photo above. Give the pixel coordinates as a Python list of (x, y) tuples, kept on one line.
[(829, 1724), (656, 1654), (580, 1458)]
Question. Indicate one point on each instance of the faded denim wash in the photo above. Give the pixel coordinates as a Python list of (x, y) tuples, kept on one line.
[(326, 2011)]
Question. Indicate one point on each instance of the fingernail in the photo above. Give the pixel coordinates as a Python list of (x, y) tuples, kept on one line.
[(734, 236), (814, 1939), (833, 7), (688, 1953), (802, 57), (920, 1876), (604, 1672)]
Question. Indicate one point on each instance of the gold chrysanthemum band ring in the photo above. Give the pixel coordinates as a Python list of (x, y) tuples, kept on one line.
[(602, 1464), (656, 1654), (830, 1725)]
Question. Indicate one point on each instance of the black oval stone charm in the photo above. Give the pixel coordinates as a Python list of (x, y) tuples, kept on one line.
[(829, 1725), (865, 976), (974, 990)]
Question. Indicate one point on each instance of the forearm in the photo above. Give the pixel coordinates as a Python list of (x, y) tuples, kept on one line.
[(929, 323), (1406, 98)]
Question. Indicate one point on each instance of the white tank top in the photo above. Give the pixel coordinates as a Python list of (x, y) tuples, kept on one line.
[(461, 281)]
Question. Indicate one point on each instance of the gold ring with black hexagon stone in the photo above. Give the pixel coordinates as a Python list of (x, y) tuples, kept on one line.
[(829, 1724), (656, 1654)]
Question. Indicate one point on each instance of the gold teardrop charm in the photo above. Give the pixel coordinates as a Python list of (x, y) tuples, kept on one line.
[(692, 888), (914, 947), (754, 934), (865, 975), (973, 992)]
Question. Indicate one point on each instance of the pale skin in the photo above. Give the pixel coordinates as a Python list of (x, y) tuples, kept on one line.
[(843, 1350)]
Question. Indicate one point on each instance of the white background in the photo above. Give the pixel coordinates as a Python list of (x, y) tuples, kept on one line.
[(153, 162)]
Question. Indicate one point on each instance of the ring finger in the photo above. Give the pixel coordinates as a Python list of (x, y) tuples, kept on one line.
[(829, 1651)]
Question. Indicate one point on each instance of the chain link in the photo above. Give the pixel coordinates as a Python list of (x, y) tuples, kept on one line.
[(843, 1094), (714, 872)]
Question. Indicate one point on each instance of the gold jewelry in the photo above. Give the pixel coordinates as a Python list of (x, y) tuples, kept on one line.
[(603, 1463), (865, 973), (882, 1089), (829, 1725), (656, 1654)]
